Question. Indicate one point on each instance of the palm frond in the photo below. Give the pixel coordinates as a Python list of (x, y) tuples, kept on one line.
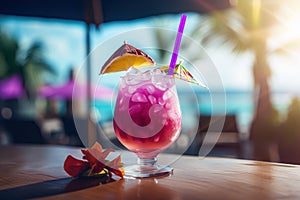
[(8, 50), (164, 41), (218, 29), (288, 48), (35, 57)]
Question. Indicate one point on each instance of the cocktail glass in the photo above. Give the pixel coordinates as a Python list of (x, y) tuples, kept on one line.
[(147, 119)]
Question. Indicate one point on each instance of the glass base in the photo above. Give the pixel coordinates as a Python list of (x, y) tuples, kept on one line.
[(147, 168), (140, 171)]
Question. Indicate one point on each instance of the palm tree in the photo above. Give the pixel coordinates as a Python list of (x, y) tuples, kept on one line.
[(247, 27), (29, 65)]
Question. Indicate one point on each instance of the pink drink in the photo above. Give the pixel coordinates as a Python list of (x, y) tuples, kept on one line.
[(147, 117)]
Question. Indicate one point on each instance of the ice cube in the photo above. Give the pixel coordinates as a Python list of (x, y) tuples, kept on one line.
[(132, 89), (132, 76), (168, 106), (157, 72), (146, 75), (127, 94), (171, 82), (152, 99), (160, 82), (132, 80), (173, 114), (122, 86), (156, 108), (150, 89), (122, 102), (161, 86), (168, 94), (133, 71), (161, 101), (139, 97)]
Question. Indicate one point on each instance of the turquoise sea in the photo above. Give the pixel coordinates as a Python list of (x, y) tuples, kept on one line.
[(240, 103)]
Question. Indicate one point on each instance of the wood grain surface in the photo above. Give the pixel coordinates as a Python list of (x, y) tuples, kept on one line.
[(37, 172)]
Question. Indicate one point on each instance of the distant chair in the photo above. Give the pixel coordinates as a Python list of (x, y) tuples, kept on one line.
[(73, 126), (70, 129), (24, 131), (228, 144)]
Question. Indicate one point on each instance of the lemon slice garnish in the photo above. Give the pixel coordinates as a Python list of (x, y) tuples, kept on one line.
[(125, 57)]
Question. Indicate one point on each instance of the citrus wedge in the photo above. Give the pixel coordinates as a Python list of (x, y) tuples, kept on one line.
[(125, 57)]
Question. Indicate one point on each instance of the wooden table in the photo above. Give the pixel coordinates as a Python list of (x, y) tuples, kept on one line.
[(36, 171)]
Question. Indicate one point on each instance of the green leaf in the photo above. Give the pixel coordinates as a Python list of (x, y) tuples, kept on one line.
[(86, 173)]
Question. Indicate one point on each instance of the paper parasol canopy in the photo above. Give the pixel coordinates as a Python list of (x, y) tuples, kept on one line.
[(182, 73)]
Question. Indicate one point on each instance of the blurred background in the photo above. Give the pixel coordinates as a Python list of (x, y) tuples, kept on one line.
[(253, 44)]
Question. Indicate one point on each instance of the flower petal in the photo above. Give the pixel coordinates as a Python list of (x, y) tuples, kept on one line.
[(74, 166), (95, 153)]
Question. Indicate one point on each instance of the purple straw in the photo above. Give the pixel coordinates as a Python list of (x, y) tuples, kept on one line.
[(177, 44)]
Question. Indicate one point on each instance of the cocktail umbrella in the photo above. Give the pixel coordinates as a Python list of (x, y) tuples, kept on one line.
[(183, 73), (11, 88)]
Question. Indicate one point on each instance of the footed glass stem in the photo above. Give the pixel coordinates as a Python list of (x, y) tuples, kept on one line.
[(147, 167)]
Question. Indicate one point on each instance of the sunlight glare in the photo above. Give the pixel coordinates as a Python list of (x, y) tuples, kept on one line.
[(288, 28), (256, 7), (287, 31)]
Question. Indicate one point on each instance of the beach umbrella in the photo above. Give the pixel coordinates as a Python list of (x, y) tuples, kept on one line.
[(99, 11), (11, 88), (67, 91)]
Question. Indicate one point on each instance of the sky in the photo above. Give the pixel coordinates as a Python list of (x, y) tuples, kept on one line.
[(64, 43)]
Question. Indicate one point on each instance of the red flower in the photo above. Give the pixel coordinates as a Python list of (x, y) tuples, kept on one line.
[(114, 166), (94, 160), (74, 166)]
